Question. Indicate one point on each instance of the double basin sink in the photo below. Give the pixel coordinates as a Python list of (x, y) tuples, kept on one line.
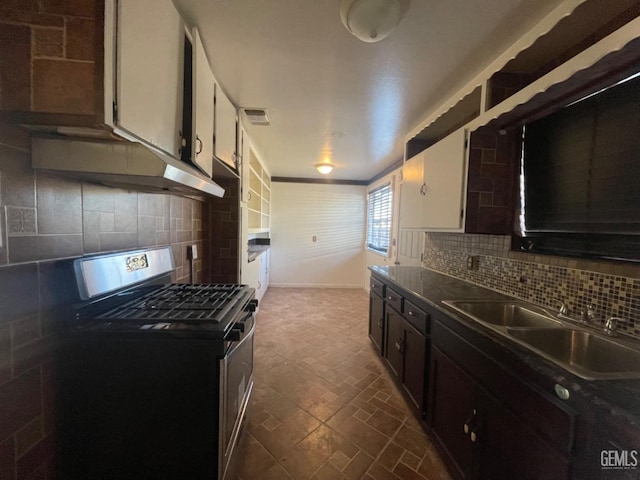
[(580, 351)]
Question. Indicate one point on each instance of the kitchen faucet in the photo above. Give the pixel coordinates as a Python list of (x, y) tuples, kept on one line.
[(589, 318), (588, 315), (564, 309), (611, 326)]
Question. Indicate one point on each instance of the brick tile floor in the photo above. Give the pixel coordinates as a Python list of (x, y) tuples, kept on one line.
[(323, 406)]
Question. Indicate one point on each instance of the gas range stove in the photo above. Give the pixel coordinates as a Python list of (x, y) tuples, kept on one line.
[(131, 293), (166, 368)]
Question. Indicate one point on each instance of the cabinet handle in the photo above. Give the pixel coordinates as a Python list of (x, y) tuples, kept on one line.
[(562, 392), (474, 437), (470, 423), (399, 345), (423, 189), (411, 313), (380, 325), (249, 196), (391, 298), (201, 145)]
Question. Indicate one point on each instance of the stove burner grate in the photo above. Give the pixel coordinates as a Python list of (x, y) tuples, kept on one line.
[(179, 303)]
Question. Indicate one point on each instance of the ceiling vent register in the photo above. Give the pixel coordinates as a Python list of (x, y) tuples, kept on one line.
[(257, 116)]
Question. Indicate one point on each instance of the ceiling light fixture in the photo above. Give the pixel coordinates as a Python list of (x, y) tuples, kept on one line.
[(324, 168), (371, 20)]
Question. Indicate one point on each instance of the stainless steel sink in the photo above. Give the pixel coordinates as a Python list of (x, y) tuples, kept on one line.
[(504, 313), (578, 350), (581, 352)]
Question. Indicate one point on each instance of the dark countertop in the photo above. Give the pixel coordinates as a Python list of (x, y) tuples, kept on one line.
[(620, 398), (256, 250)]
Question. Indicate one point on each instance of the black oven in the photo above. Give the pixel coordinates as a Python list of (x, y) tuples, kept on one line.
[(155, 377), (236, 382)]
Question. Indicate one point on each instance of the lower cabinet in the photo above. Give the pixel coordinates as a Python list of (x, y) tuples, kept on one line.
[(451, 407), (256, 274), (479, 434), (609, 449), (376, 314), (263, 282), (376, 321), (398, 330), (508, 448), (406, 356)]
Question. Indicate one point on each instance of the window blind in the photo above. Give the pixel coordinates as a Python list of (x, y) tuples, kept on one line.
[(380, 206), (581, 166), (581, 170)]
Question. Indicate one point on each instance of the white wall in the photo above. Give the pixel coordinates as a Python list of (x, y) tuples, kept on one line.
[(335, 215), (373, 258)]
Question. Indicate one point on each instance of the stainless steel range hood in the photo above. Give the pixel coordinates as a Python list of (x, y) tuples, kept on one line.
[(125, 165)]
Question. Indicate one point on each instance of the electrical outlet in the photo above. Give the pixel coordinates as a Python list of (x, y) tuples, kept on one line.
[(314, 239), (473, 262), (192, 252)]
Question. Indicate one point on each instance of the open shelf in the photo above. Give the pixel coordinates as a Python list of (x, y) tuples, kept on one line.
[(572, 81), (589, 23), (259, 199), (466, 110)]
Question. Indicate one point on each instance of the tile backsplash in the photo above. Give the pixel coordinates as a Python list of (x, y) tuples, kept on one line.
[(45, 222), (612, 288)]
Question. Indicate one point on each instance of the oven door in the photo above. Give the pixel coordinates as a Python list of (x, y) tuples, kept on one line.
[(236, 383)]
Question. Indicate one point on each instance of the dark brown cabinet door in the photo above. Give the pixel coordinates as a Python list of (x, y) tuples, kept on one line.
[(508, 449), (376, 321), (415, 357), (395, 341), (451, 406)]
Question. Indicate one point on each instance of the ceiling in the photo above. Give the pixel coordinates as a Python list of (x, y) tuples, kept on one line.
[(329, 95)]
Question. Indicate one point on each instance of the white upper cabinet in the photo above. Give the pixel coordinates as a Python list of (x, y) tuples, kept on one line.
[(226, 128), (434, 186), (203, 107), (410, 197), (149, 72), (445, 183)]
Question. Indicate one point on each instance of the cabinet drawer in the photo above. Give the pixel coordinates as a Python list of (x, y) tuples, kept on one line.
[(417, 317), (394, 299), (377, 286)]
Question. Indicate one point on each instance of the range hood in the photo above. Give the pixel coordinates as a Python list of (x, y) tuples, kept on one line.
[(125, 165)]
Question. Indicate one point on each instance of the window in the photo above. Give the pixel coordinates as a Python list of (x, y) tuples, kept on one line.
[(379, 219), (580, 187)]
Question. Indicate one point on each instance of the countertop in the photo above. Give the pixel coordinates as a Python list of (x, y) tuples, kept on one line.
[(620, 398), (256, 250)]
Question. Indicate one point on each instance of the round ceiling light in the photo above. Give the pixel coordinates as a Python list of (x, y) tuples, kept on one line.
[(324, 168), (370, 20)]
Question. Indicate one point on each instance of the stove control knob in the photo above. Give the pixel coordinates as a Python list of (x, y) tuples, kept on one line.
[(233, 335), (252, 305), (238, 326)]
